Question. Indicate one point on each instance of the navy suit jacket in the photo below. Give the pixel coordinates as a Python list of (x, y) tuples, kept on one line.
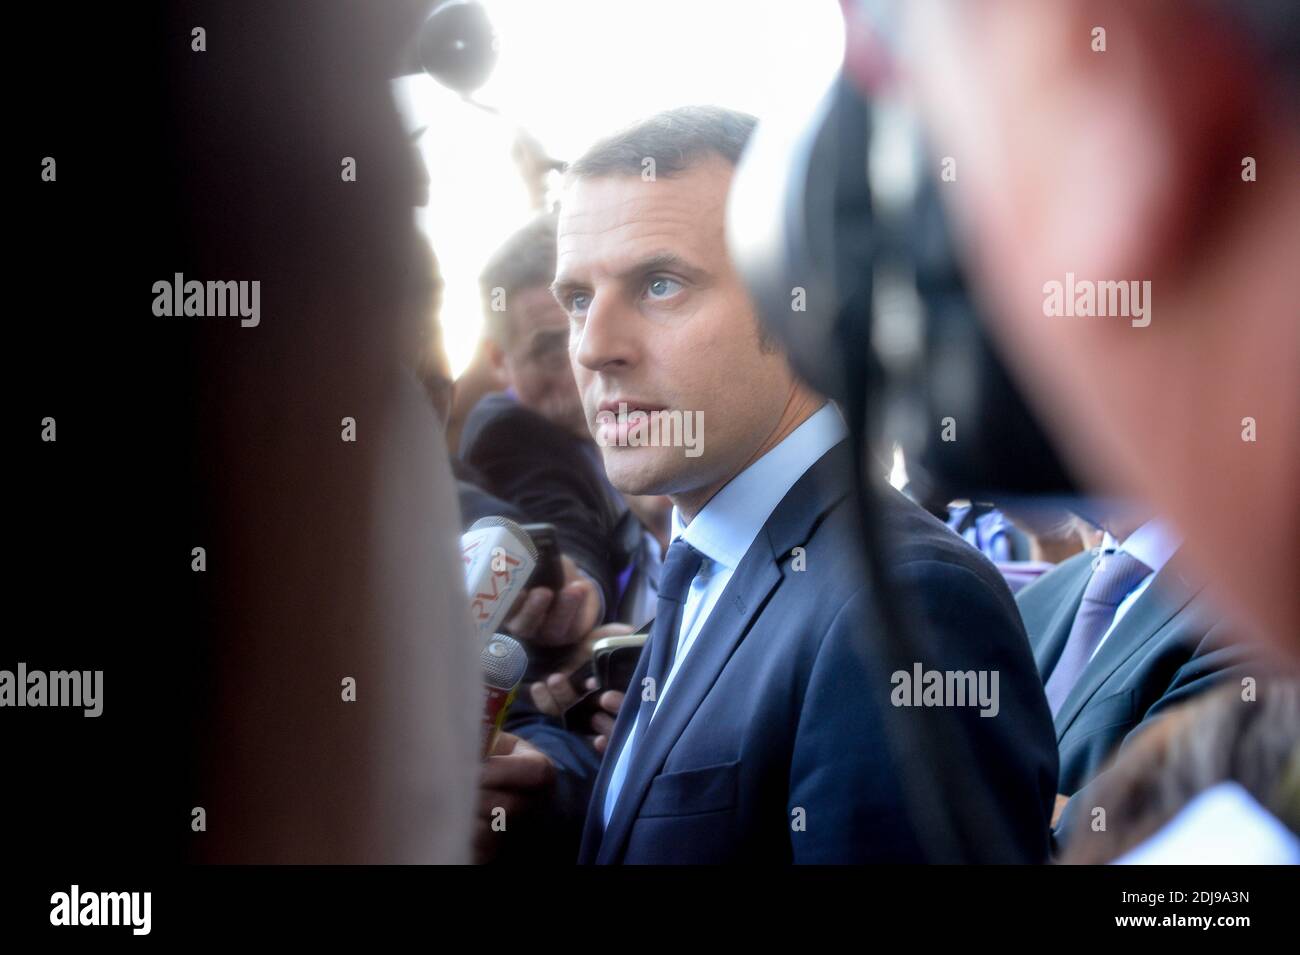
[(777, 708), (1171, 645)]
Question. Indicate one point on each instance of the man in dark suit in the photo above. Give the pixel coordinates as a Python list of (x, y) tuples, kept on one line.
[(1120, 634), (753, 728), (770, 745)]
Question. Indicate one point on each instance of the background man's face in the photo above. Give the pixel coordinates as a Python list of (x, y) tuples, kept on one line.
[(660, 320), (535, 361)]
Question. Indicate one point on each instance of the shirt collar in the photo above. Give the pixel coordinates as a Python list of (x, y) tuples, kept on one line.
[(729, 522), (1154, 543)]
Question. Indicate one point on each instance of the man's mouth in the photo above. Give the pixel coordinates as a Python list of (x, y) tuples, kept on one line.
[(618, 419), (625, 406)]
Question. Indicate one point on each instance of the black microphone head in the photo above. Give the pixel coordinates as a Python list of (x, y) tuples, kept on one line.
[(504, 661), (457, 46)]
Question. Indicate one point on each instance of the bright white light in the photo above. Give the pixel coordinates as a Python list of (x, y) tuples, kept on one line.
[(572, 71)]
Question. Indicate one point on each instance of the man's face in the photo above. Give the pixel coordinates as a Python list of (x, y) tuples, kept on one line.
[(535, 361), (659, 319)]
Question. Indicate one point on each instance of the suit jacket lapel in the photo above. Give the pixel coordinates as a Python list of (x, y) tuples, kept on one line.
[(745, 593), (594, 825), (1164, 597), (1049, 647), (754, 579)]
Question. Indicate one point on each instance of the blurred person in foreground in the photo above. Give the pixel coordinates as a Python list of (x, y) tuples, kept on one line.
[(433, 369), (1168, 157), (322, 705), (1155, 141)]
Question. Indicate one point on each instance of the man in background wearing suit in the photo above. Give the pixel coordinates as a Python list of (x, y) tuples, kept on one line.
[(1120, 634), (753, 730)]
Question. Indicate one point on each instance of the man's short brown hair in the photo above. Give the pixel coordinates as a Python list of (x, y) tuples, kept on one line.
[(525, 260), (675, 139)]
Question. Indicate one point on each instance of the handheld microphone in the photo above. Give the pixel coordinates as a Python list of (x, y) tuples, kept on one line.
[(504, 661), (499, 557)]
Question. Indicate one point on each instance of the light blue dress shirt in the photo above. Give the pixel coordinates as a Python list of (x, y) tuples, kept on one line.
[(1153, 543), (723, 531)]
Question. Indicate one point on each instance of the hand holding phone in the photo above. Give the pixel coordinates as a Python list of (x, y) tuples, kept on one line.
[(614, 661)]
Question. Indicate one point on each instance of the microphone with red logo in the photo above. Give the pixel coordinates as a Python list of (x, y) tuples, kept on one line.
[(499, 558), (504, 661)]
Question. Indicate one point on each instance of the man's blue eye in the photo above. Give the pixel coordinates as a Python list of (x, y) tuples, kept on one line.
[(579, 302), (663, 287)]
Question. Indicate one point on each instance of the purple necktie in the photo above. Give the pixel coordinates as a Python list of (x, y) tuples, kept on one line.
[(1114, 576)]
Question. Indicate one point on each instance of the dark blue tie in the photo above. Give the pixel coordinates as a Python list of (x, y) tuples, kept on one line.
[(1113, 578), (679, 569)]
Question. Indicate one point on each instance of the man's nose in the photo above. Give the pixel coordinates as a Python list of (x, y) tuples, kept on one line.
[(607, 338)]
